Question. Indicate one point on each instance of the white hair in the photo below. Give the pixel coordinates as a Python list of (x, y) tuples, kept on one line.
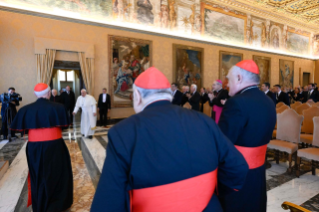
[(83, 90), (248, 77), (195, 87), (54, 90), (154, 94)]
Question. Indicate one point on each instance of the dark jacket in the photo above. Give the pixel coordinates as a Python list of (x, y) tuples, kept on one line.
[(313, 96), (184, 98), (68, 100), (203, 99), (104, 105), (55, 99), (248, 120), (177, 98), (221, 95), (272, 96), (283, 97), (194, 101)]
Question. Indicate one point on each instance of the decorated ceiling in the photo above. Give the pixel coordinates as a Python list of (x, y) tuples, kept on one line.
[(281, 26)]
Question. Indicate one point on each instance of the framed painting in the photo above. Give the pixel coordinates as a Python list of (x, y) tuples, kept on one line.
[(264, 65), (128, 58), (188, 65), (286, 74), (298, 42), (224, 25), (226, 61)]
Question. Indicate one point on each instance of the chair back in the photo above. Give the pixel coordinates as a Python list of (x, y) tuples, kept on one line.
[(311, 103), (302, 107), (307, 126), (282, 108), (279, 104), (295, 105), (316, 104), (289, 126), (315, 141)]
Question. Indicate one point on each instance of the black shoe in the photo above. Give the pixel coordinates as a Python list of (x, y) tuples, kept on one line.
[(90, 137)]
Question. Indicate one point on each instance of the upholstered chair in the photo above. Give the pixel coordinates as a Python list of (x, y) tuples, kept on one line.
[(307, 125), (312, 153), (311, 102), (279, 104), (288, 135), (302, 107), (282, 108), (295, 105)]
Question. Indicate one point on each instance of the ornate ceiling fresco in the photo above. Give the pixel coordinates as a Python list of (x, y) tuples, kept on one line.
[(281, 26)]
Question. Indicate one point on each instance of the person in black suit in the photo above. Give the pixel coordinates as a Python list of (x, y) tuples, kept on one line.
[(177, 95), (104, 106), (305, 94), (204, 98), (312, 93), (281, 96), (68, 100), (55, 97), (297, 96), (265, 88), (184, 97), (194, 97), (217, 97), (316, 88)]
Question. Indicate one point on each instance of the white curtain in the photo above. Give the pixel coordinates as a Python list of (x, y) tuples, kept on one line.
[(45, 63), (87, 69)]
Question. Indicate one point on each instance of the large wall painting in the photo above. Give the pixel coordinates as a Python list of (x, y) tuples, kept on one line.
[(221, 25), (188, 65), (226, 61), (286, 74), (297, 43), (128, 58), (264, 65)]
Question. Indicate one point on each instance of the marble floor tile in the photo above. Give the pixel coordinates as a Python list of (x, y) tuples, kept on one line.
[(10, 150), (13, 181), (83, 188), (296, 191), (2, 143), (96, 150)]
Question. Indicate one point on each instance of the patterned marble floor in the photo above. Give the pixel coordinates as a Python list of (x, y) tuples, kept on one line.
[(88, 156)]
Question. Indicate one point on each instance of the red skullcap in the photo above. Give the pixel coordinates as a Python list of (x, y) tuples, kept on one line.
[(40, 89), (152, 78), (248, 65)]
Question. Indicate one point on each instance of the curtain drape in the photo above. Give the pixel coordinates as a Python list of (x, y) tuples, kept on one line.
[(45, 63), (87, 69)]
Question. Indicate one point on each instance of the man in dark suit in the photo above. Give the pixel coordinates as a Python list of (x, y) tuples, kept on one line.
[(194, 97), (104, 106), (204, 98), (8, 113), (297, 96), (177, 95), (265, 88), (305, 94), (55, 97), (68, 100), (312, 93), (216, 99), (184, 97), (248, 120), (281, 96)]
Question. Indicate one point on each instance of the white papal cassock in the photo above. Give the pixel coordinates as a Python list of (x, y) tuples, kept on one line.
[(88, 120)]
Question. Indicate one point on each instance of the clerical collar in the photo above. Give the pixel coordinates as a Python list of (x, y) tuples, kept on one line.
[(247, 88), (156, 102), (219, 90)]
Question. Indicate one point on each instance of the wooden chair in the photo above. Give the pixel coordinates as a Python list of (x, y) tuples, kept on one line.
[(295, 105), (316, 104), (288, 135), (293, 207), (307, 126), (310, 153), (302, 107), (310, 102), (278, 105)]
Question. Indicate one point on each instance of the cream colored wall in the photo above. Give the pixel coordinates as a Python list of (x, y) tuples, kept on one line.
[(18, 67)]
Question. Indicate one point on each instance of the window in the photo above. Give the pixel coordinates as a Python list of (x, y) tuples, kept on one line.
[(66, 76)]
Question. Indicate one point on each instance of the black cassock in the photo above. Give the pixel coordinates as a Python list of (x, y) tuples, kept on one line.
[(49, 161), (248, 120)]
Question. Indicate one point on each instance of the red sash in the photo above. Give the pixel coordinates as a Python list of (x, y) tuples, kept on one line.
[(254, 156), (192, 194), (40, 135)]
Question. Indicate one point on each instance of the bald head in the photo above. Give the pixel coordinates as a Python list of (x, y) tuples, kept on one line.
[(54, 92), (239, 79)]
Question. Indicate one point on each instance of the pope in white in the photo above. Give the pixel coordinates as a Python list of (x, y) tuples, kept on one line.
[(88, 117)]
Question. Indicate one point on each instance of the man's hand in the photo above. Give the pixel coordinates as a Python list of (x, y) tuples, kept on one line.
[(109, 110), (94, 114), (211, 96), (98, 109), (223, 102), (73, 113), (188, 95), (13, 102)]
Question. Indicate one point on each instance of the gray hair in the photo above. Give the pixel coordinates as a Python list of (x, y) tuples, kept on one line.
[(195, 86), (54, 90), (84, 90), (248, 76), (155, 93)]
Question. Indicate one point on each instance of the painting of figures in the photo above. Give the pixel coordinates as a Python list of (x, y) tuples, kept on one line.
[(188, 65), (128, 58), (224, 26), (297, 43), (226, 61), (286, 73), (264, 65)]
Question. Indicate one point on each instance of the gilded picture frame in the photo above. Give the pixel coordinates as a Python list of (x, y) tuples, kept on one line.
[(226, 61), (264, 65)]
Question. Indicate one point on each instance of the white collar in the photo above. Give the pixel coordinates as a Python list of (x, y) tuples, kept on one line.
[(266, 91), (279, 93)]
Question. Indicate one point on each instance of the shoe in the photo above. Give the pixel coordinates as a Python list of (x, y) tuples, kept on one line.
[(90, 137)]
